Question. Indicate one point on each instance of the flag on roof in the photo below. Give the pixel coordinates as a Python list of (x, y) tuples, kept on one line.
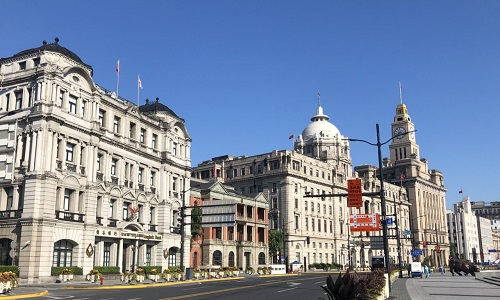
[(290, 137)]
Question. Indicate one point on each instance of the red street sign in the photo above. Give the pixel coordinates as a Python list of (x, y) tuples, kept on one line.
[(354, 193), (364, 222)]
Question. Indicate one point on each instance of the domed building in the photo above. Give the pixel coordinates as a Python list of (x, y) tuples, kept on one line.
[(322, 140), (319, 164), (87, 178)]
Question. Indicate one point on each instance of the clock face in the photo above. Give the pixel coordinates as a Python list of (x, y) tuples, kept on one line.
[(399, 132)]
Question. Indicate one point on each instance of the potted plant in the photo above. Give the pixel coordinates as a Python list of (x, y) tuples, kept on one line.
[(166, 274), (66, 275), (93, 275), (178, 273), (196, 273), (8, 281), (153, 275), (269, 270), (139, 275), (126, 277), (250, 270)]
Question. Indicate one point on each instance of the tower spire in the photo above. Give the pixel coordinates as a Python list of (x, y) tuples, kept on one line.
[(400, 93), (319, 100)]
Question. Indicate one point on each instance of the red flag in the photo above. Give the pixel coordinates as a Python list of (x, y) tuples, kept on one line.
[(118, 67), (290, 137), (460, 192), (401, 176)]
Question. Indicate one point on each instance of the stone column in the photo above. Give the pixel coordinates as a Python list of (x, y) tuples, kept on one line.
[(120, 254), (27, 147), (55, 138), (19, 150), (49, 137)]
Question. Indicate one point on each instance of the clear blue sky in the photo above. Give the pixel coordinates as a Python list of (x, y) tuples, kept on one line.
[(245, 74)]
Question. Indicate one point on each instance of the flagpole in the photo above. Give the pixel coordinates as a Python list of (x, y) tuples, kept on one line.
[(400, 93), (117, 77), (138, 87)]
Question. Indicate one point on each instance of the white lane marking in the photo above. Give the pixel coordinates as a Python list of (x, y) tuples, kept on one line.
[(199, 287), (287, 290)]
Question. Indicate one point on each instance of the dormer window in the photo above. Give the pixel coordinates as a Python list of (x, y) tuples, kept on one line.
[(22, 65)]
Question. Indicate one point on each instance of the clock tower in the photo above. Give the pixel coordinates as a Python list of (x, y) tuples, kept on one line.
[(403, 145)]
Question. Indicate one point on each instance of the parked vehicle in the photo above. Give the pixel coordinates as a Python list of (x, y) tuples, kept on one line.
[(416, 269)]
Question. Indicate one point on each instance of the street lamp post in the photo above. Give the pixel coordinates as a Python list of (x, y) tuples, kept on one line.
[(382, 192), (183, 225)]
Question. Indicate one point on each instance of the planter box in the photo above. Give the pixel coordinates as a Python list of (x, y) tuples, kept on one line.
[(154, 277), (65, 277)]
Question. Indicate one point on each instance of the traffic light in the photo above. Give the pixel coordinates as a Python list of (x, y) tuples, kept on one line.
[(308, 240)]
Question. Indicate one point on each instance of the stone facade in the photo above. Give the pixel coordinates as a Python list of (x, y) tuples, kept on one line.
[(294, 181), (424, 187), (86, 178)]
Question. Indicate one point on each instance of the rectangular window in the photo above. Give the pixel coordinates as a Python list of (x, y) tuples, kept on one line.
[(69, 151), (149, 249), (113, 166), (174, 181), (296, 203), (296, 222), (107, 254), (10, 197), (174, 148), (275, 203), (125, 211), (235, 173), (312, 223), (275, 188), (143, 135), (102, 115), (99, 160), (22, 65), (250, 170), (132, 130), (307, 223), (116, 125), (305, 205), (154, 139), (243, 171), (319, 225), (152, 215), (111, 208), (36, 61), (72, 104), (19, 100), (67, 199), (139, 175), (152, 179)]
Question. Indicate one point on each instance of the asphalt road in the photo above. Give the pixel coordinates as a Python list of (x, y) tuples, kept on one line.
[(305, 286)]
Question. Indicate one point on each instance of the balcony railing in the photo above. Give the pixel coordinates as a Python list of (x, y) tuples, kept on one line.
[(10, 214), (71, 167), (82, 170), (99, 220), (141, 187), (114, 180), (112, 222), (69, 216), (152, 227), (99, 176)]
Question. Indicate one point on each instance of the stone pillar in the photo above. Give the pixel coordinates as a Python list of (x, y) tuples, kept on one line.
[(55, 138), (33, 151), (27, 147), (120, 254), (49, 140), (19, 150)]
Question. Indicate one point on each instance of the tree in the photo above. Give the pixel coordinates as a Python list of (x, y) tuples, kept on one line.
[(275, 241), (196, 231)]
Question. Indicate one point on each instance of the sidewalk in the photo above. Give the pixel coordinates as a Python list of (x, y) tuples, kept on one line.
[(442, 287)]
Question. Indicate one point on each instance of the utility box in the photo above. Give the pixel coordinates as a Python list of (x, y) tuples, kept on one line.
[(189, 273)]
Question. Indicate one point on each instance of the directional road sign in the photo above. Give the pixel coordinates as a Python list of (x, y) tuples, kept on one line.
[(416, 252)]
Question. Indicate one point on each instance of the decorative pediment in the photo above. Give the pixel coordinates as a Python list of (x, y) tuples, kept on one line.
[(129, 195), (115, 192), (71, 181)]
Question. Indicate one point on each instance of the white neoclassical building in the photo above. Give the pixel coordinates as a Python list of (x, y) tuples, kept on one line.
[(86, 178), (319, 164)]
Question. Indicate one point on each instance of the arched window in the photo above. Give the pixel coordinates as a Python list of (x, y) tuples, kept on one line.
[(262, 258), (217, 258), (231, 259), (63, 253), (172, 257)]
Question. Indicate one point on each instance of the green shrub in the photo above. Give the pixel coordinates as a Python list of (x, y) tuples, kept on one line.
[(107, 270), (13, 269), (354, 286), (56, 271), (147, 269)]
